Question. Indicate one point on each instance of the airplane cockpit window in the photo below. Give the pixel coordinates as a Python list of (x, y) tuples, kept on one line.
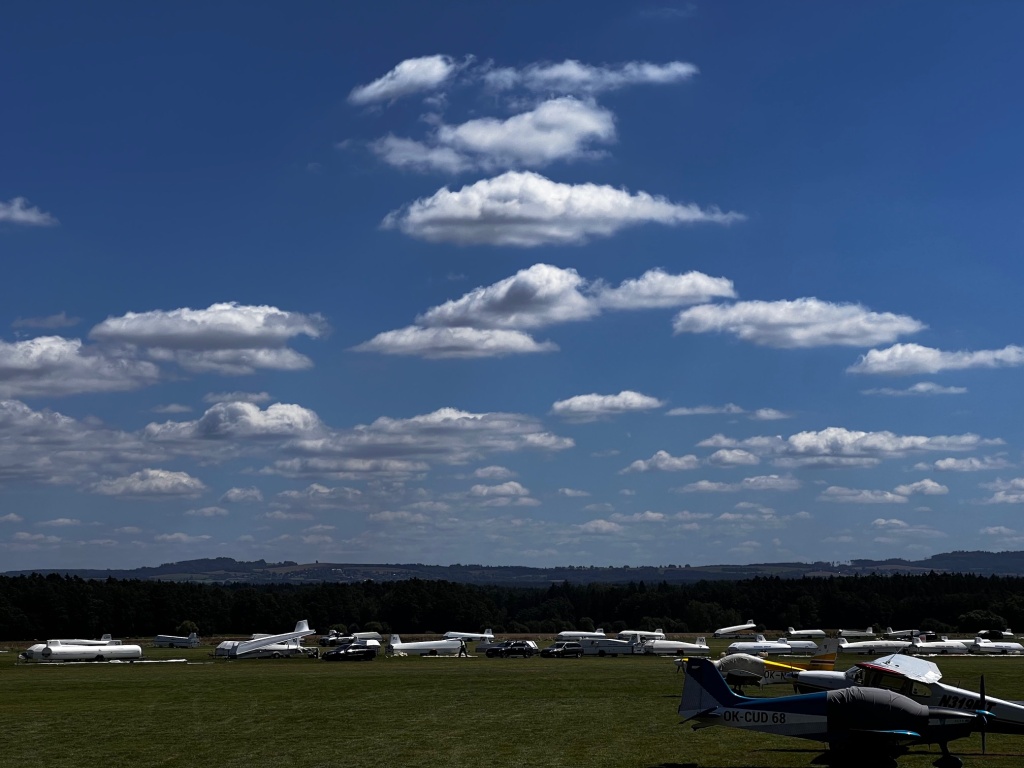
[(920, 690), (889, 682)]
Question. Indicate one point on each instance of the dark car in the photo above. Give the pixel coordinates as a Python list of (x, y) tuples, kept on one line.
[(563, 649), (351, 652), (524, 648)]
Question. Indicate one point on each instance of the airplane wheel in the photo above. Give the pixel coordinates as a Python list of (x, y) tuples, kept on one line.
[(579, 654), (600, 653), (275, 655)]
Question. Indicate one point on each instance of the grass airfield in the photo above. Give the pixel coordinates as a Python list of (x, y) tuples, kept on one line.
[(398, 712)]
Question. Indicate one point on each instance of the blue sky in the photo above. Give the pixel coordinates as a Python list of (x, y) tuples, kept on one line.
[(576, 284)]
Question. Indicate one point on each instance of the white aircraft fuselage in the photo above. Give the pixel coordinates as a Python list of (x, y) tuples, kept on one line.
[(873, 647), (737, 630), (447, 647), (677, 648), (573, 634), (981, 645), (944, 645), (62, 650), (774, 647)]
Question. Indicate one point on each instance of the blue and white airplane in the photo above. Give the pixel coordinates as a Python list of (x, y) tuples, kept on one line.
[(862, 726)]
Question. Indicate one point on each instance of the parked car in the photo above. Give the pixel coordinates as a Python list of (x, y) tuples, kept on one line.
[(351, 652), (563, 649), (524, 648)]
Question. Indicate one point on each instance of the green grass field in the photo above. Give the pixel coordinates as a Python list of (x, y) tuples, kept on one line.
[(477, 712)]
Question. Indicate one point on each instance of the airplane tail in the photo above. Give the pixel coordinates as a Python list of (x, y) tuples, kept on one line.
[(107, 637), (825, 658), (302, 626), (702, 641), (790, 631), (704, 689)]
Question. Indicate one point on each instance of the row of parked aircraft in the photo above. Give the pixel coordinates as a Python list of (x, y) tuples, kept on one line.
[(596, 642)]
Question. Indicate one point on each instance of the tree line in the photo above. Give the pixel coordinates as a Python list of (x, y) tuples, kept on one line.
[(48, 606)]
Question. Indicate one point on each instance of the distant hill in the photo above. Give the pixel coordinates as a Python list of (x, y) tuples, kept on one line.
[(226, 569)]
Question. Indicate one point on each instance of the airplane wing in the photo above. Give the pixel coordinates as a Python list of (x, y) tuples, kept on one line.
[(913, 667)]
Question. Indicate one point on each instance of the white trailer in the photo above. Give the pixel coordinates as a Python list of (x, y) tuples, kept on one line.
[(607, 646)]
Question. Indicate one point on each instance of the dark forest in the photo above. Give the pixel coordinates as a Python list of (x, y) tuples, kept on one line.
[(50, 606)]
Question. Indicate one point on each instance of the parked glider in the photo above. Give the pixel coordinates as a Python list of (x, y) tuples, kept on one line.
[(447, 647), (737, 630), (805, 634), (869, 632), (862, 726), (279, 646), (70, 650), (942, 645), (677, 647), (981, 645), (574, 634), (481, 637), (779, 647), (873, 647)]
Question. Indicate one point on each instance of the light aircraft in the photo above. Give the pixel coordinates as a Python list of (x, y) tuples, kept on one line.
[(863, 726), (942, 645), (869, 632), (804, 633), (917, 679), (981, 645), (643, 634), (446, 647), (872, 646), (774, 647), (572, 634), (68, 650), (894, 633), (481, 637), (677, 647), (279, 646), (740, 669), (736, 631), (175, 641), (105, 640)]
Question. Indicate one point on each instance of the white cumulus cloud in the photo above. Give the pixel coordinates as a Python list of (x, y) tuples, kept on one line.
[(806, 322), (665, 462), (526, 209), (457, 342), (418, 75), (534, 297), (151, 483), (657, 289), (558, 129), (54, 366), (594, 406), (242, 495), (909, 359), (858, 496), (927, 487)]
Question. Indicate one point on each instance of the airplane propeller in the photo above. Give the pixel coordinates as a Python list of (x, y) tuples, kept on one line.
[(984, 716)]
